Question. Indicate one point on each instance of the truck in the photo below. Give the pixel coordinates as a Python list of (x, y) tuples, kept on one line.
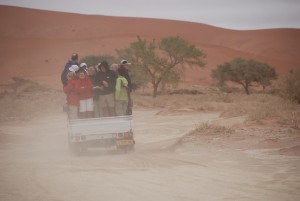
[(104, 132)]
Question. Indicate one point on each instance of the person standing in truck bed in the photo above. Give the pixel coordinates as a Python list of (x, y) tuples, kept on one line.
[(106, 82), (73, 61), (122, 92), (72, 96), (124, 64), (84, 89)]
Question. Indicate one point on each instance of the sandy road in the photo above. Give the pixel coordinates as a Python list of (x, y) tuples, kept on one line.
[(38, 166)]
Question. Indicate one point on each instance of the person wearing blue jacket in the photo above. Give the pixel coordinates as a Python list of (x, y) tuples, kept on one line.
[(73, 61)]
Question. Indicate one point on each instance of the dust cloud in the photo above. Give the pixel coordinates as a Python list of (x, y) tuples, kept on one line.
[(37, 165)]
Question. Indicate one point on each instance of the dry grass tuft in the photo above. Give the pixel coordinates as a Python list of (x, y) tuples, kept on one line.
[(211, 129), (258, 107)]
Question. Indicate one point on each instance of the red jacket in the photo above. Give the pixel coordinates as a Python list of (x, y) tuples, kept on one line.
[(84, 88), (72, 96)]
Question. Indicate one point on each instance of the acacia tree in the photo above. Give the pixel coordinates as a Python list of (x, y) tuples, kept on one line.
[(266, 74), (244, 72), (160, 62), (220, 74)]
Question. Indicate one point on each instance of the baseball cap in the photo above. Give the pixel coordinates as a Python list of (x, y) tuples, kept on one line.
[(83, 65), (124, 62)]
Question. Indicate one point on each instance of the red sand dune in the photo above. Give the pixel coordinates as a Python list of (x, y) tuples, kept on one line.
[(36, 44)]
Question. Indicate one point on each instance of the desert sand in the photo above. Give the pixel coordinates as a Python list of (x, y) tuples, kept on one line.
[(254, 163), (37, 165)]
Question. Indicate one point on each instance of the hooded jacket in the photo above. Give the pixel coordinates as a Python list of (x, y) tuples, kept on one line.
[(84, 88), (110, 77)]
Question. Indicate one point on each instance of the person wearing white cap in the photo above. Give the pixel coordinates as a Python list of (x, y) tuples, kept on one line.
[(124, 64), (121, 95), (64, 75), (72, 96), (84, 66), (84, 89)]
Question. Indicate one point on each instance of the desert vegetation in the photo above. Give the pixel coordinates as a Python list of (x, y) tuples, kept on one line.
[(290, 86), (161, 62), (24, 99), (157, 66), (245, 73), (257, 107)]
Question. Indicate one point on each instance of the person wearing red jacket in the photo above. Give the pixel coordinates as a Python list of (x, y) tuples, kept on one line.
[(84, 89), (72, 96)]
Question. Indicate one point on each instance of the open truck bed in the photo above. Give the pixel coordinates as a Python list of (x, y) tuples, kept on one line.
[(101, 132)]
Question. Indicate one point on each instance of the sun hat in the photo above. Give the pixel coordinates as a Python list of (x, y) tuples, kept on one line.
[(74, 68), (82, 65)]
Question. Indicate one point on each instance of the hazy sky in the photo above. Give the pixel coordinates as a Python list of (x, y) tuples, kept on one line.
[(232, 14)]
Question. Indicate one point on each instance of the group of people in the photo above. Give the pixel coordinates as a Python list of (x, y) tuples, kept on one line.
[(97, 91)]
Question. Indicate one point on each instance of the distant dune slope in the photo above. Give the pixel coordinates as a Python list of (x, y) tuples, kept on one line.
[(36, 44)]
